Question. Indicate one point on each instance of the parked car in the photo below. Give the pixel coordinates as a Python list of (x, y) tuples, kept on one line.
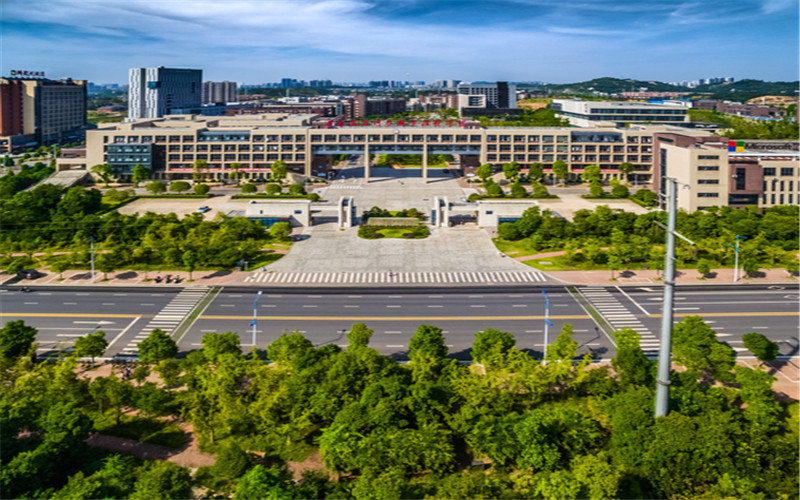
[(203, 209), (29, 274)]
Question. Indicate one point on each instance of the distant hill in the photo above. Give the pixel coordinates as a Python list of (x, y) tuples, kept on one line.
[(611, 86), (745, 90)]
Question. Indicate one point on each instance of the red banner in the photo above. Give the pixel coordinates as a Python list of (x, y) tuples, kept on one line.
[(364, 123), (449, 123), (413, 123), (401, 123), (352, 123), (426, 123), (436, 123)]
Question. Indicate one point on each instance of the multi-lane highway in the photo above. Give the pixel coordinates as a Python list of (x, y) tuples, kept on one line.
[(127, 315)]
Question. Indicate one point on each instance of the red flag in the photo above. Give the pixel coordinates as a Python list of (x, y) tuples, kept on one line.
[(449, 123), (426, 123), (413, 123), (436, 123), (330, 123), (401, 122), (341, 123), (460, 123), (352, 123), (364, 123), (388, 123)]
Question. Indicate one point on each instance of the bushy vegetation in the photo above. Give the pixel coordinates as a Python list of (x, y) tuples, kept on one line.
[(390, 430), (618, 238), (743, 128), (408, 232), (12, 183)]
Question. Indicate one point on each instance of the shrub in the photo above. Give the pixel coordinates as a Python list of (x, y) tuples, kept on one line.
[(508, 231), (248, 188), (272, 188), (518, 190), (620, 191), (494, 190), (762, 347), (296, 189), (179, 186), (201, 188)]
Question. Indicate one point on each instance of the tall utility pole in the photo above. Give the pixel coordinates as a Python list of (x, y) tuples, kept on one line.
[(546, 324), (255, 317), (736, 258), (91, 244), (665, 351)]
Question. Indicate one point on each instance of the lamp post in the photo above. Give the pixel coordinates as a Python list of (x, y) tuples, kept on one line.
[(91, 246), (546, 324), (736, 258), (255, 317)]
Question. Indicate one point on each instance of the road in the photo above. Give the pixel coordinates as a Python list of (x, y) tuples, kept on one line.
[(127, 315)]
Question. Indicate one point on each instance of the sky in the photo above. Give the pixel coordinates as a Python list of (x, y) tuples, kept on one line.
[(256, 41)]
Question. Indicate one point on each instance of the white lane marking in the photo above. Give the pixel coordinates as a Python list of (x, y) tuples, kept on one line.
[(687, 308), (70, 303), (760, 327), (394, 306), (309, 305), (227, 305), (395, 346), (352, 307), (478, 305), (269, 305), (122, 332), (31, 303), (519, 305), (392, 331), (434, 306)]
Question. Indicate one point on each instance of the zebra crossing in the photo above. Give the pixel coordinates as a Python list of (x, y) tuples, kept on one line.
[(343, 278), (344, 186), (170, 316), (619, 317)]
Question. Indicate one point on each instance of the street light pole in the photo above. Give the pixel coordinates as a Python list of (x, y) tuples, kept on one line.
[(546, 324), (91, 246), (736, 258), (255, 317)]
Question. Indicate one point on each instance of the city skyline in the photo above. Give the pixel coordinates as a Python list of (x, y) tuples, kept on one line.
[(360, 40)]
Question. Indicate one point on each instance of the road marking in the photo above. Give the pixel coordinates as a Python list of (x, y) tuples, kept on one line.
[(227, 305), (687, 308), (519, 305), (760, 327), (70, 303), (435, 296), (392, 331), (122, 332), (394, 306), (435, 306), (478, 305), (146, 304), (70, 334), (354, 296), (120, 294), (269, 305), (31, 303), (314, 296), (396, 318), (309, 305), (99, 323), (395, 346), (108, 304)]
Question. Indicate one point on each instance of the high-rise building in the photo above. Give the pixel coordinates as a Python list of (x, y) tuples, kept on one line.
[(155, 92), (219, 92), (499, 95), (40, 111)]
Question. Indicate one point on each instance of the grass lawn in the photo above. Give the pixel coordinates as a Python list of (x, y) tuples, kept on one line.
[(395, 233), (146, 430), (519, 248)]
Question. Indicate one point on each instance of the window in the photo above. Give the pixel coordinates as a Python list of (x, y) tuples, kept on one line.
[(782, 186), (711, 168), (787, 171), (491, 138), (769, 171), (708, 195), (708, 157), (708, 181), (741, 175), (781, 200), (489, 212)]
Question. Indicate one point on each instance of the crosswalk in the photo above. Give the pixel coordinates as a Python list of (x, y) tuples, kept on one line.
[(619, 317), (345, 186), (343, 278), (170, 316)]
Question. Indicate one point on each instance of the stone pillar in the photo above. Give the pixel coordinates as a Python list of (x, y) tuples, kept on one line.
[(366, 163), (425, 164), (340, 212), (445, 212)]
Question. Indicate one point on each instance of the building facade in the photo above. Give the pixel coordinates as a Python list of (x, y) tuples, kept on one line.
[(499, 95), (219, 92), (41, 111), (722, 172), (605, 113), (156, 92)]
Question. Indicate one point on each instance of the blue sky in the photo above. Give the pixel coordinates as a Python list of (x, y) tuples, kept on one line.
[(251, 41)]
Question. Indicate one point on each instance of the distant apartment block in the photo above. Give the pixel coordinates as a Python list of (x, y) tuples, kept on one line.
[(745, 110), (590, 113), (41, 111), (219, 92), (499, 95), (157, 92)]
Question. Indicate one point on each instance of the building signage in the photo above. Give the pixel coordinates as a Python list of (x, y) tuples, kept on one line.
[(772, 146), (27, 73)]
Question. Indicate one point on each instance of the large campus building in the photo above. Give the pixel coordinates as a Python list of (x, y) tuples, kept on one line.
[(763, 173), (36, 111), (157, 92), (603, 113)]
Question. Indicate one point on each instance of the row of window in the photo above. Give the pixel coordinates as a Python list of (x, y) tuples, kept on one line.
[(785, 171), (780, 185), (779, 199), (229, 148), (240, 157)]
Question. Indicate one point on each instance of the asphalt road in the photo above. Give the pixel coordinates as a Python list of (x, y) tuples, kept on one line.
[(61, 315)]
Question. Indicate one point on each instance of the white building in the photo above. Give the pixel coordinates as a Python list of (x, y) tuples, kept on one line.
[(219, 92), (591, 113), (155, 92)]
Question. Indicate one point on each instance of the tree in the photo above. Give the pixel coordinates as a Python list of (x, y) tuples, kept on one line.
[(92, 345), (201, 189), (631, 365), (491, 347), (793, 267), (162, 480), (140, 173), (262, 483), (762, 347), (493, 189), (287, 348), (695, 346), (750, 266), (179, 186), (235, 173), (518, 190), (358, 337), (591, 173), (169, 370), (625, 169), (102, 171), (232, 461), (200, 168), (511, 170), (560, 169), (535, 172), (106, 263), (596, 189), (704, 267), (248, 188), (217, 344), (280, 230), (59, 266), (484, 172), (564, 348), (189, 258), (620, 191), (16, 339), (297, 189), (508, 231), (278, 170), (427, 341), (156, 187), (273, 189), (157, 346)]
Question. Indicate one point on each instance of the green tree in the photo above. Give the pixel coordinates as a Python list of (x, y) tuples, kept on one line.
[(427, 341), (535, 172), (358, 337), (763, 348), (103, 172), (620, 191), (630, 363), (217, 344), (296, 189), (201, 189), (169, 370), (492, 347), (156, 187), (751, 266), (60, 265), (287, 348), (235, 172), (92, 345), (625, 169), (157, 346), (248, 188), (106, 263), (560, 169), (263, 484), (493, 189), (278, 171), (704, 267), (232, 461), (179, 186), (511, 170), (591, 173), (273, 189), (280, 231), (596, 189), (162, 480), (518, 190), (140, 173), (484, 172), (16, 339), (199, 170), (189, 258), (564, 348), (695, 346)]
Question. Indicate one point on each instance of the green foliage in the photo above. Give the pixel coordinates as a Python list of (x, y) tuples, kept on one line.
[(358, 337), (296, 189), (278, 170), (596, 189), (518, 190), (631, 365), (591, 173), (273, 188), (564, 348), (763, 348), (508, 231), (16, 339), (217, 344), (493, 189), (620, 191), (287, 348), (511, 170), (92, 345), (102, 171), (162, 480), (695, 346), (704, 267), (535, 172), (560, 169), (12, 183), (280, 231), (492, 347), (232, 461), (264, 484), (427, 342), (156, 187), (248, 188), (201, 189), (157, 346), (140, 173), (179, 186), (484, 172)]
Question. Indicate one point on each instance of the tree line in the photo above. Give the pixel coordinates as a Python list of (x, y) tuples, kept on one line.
[(508, 426)]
